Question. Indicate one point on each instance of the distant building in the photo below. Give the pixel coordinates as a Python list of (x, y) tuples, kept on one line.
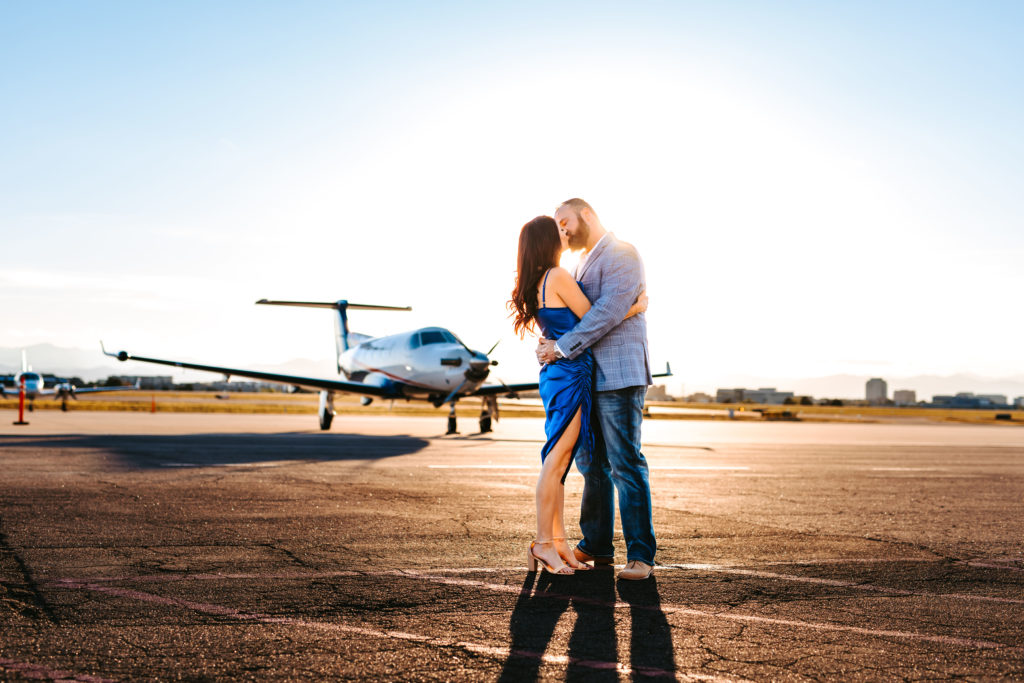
[(764, 395), (729, 396), (241, 386), (1019, 402), (967, 399), (904, 397), (876, 391), (658, 392), (701, 397)]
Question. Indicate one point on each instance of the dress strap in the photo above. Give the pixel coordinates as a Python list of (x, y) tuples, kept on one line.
[(543, 289)]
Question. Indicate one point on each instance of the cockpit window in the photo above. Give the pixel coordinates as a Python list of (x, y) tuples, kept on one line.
[(432, 337)]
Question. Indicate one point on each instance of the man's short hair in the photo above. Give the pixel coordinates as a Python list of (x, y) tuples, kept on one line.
[(577, 205)]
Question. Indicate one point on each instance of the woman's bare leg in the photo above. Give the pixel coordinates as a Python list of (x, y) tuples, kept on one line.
[(551, 497)]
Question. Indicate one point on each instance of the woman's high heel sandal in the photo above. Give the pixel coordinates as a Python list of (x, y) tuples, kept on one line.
[(532, 560), (583, 565)]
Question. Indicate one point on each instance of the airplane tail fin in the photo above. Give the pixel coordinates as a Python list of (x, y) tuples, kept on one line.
[(341, 332)]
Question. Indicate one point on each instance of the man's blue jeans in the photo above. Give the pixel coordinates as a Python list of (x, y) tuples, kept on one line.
[(617, 461)]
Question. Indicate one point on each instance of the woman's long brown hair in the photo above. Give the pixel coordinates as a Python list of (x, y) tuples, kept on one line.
[(539, 248)]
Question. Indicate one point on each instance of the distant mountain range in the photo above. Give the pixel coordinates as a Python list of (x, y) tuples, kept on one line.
[(91, 365)]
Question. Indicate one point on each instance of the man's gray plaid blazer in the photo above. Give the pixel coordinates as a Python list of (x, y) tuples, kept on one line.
[(612, 278)]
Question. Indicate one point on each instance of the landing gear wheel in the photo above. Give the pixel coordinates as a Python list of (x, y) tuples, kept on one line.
[(451, 426), (485, 424), (31, 407), (326, 410)]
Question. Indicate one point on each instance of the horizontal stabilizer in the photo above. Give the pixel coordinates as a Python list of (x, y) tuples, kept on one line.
[(333, 304), (341, 307)]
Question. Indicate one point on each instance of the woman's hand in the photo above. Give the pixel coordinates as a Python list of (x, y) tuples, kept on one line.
[(641, 302), (639, 307)]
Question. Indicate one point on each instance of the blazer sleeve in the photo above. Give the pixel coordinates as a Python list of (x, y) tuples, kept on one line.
[(622, 282)]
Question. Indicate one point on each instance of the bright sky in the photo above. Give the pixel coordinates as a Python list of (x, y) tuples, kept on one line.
[(815, 188)]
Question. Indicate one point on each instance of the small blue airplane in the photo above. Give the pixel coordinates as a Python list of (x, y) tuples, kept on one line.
[(35, 386), (430, 363)]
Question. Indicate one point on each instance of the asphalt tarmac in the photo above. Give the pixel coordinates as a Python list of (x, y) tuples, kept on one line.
[(255, 547)]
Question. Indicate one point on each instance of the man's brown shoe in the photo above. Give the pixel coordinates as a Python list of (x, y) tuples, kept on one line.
[(584, 557), (636, 571)]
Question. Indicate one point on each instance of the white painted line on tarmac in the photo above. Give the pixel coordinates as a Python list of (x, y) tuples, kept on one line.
[(666, 608), (842, 584), (908, 469), (39, 671), (699, 467), (484, 467), (497, 652), (228, 464), (993, 565), (750, 618), (851, 560), (537, 467)]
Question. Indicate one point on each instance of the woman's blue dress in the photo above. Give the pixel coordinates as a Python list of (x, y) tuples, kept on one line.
[(565, 385)]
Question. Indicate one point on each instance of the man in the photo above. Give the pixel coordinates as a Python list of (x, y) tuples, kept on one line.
[(612, 277)]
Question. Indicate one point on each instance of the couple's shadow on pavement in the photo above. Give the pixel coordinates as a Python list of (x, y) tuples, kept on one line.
[(592, 649)]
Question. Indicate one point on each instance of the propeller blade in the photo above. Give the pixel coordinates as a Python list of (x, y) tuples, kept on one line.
[(455, 392), (510, 394), (463, 345), (489, 352)]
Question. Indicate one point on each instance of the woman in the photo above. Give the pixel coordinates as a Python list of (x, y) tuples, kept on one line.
[(546, 296)]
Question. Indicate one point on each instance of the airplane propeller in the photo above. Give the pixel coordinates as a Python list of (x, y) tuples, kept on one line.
[(477, 366)]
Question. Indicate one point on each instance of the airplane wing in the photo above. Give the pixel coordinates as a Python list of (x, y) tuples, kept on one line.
[(96, 390), (509, 390), (296, 380)]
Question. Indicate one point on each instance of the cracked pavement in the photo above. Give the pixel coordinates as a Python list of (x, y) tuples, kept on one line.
[(245, 547)]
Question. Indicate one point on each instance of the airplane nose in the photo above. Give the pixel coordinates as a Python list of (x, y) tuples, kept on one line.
[(479, 367)]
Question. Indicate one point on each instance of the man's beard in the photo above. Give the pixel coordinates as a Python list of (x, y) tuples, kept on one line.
[(579, 239)]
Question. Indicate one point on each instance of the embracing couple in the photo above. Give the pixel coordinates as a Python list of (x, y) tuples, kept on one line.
[(594, 376)]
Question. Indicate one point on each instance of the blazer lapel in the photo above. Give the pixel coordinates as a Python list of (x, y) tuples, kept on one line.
[(594, 255)]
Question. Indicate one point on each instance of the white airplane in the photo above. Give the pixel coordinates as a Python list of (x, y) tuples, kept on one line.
[(35, 387), (429, 364)]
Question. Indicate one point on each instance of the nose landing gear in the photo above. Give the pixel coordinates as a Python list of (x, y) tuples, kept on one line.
[(451, 421)]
